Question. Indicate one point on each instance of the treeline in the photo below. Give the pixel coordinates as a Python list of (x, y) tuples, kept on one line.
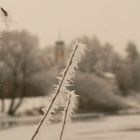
[(24, 70), (104, 59), (106, 78), (103, 79)]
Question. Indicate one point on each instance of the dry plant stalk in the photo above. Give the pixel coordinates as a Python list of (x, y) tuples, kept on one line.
[(69, 109), (64, 81), (65, 117)]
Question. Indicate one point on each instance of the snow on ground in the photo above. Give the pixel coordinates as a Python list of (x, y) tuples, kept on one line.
[(108, 128), (29, 103)]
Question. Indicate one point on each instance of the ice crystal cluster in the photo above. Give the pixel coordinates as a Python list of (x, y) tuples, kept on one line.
[(62, 96)]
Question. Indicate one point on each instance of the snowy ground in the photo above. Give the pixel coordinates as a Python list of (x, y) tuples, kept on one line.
[(108, 128), (29, 103)]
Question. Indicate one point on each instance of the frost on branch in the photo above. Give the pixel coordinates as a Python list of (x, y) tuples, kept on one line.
[(66, 78), (61, 95)]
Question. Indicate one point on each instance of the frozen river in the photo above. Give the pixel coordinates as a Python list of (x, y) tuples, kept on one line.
[(108, 128)]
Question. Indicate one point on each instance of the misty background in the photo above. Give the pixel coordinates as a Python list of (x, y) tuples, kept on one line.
[(35, 44), (110, 20)]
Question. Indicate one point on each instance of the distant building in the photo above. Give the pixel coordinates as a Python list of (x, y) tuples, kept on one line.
[(60, 53), (110, 77)]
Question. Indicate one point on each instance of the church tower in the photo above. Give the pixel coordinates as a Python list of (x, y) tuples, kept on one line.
[(60, 52)]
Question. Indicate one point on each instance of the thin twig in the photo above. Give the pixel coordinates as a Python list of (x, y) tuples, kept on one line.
[(65, 117), (5, 13), (56, 94)]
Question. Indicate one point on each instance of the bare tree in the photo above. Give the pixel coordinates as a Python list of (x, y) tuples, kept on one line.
[(20, 55)]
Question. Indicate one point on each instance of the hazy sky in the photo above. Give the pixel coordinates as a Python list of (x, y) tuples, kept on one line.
[(116, 21)]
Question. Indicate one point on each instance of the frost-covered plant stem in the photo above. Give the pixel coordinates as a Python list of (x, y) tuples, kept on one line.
[(56, 93), (65, 117)]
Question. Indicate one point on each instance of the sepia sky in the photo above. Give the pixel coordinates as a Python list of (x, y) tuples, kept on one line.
[(116, 21)]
